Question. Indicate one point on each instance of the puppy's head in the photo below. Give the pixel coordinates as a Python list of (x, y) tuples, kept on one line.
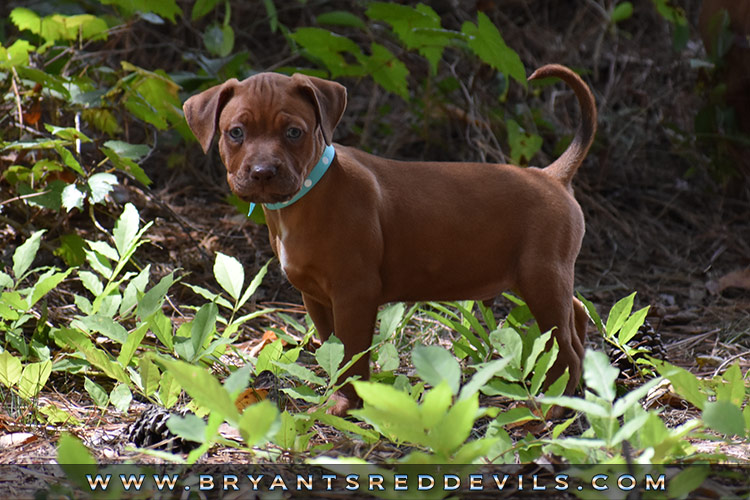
[(272, 130)]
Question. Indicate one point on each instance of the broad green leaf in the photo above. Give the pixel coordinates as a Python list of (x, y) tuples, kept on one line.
[(487, 43), (126, 150), (434, 365), (685, 383), (46, 283), (302, 373), (190, 427), (599, 375), (202, 7), (687, 481), (5, 281), (154, 298), (515, 415), (391, 412), (203, 388), (523, 145), (724, 417), (733, 390), (330, 355), (454, 429), (258, 422), (72, 197), (388, 358), (33, 378), (435, 404), (71, 451), (390, 318), (127, 165), (104, 325), (132, 343), (341, 18), (254, 284), (169, 390), (482, 376), (270, 353), (578, 404), (97, 393), (219, 39), (387, 70), (25, 254), (126, 228), (631, 326), (204, 325), (618, 314), (91, 282), (621, 12), (230, 274), (150, 376), (10, 369)]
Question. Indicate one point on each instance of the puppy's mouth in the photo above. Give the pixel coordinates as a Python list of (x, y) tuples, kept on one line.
[(255, 192)]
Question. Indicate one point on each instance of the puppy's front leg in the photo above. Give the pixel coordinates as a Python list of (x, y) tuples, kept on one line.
[(354, 322), (321, 315)]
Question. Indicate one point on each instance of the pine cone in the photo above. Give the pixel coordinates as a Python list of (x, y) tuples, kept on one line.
[(647, 341), (150, 431)]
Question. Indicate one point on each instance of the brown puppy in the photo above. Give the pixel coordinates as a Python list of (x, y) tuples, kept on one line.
[(374, 230)]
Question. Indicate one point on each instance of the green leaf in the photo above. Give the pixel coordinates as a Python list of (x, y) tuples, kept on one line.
[(25, 254), (100, 185), (203, 388), (391, 412), (169, 390), (10, 369), (97, 393), (724, 417), (456, 426), (154, 298), (230, 274), (71, 451), (120, 397), (33, 378), (329, 48), (341, 18), (599, 375), (687, 481), (219, 39), (435, 364), (387, 70), (258, 422), (72, 197), (330, 355), (126, 228), (150, 376), (390, 317), (621, 12), (190, 427), (618, 314), (482, 376), (132, 343), (487, 43), (301, 373), (254, 284), (104, 325), (631, 326), (388, 358), (685, 383), (733, 390), (523, 145), (126, 165), (202, 7), (203, 325)]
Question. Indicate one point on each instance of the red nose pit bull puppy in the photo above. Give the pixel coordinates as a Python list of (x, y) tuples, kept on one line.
[(353, 231)]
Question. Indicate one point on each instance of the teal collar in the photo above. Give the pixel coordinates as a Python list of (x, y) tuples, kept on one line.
[(315, 175)]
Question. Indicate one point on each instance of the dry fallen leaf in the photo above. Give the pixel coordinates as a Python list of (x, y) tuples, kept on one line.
[(739, 278), (16, 439)]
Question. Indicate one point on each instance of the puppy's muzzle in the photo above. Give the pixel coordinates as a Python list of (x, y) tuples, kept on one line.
[(263, 172)]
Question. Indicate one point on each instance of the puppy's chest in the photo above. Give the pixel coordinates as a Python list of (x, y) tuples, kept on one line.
[(296, 264)]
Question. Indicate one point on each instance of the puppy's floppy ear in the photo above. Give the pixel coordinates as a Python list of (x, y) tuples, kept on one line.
[(328, 98), (202, 111)]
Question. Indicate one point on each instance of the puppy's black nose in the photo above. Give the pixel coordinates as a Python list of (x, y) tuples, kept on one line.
[(263, 172)]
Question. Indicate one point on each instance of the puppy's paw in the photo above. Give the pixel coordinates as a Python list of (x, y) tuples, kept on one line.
[(342, 403)]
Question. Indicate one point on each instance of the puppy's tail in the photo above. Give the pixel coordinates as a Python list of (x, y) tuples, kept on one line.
[(565, 167)]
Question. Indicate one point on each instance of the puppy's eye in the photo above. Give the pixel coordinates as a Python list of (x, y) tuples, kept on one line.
[(293, 133), (236, 133)]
